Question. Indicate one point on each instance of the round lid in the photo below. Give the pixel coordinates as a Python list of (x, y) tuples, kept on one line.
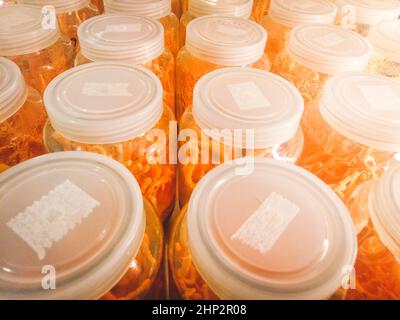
[(329, 49), (103, 103), (227, 41), (385, 37), (365, 108), (147, 8), (61, 6), (274, 232), (372, 11), (78, 224), (292, 13), (21, 30), (12, 89), (384, 204), (229, 8), (228, 102), (121, 38)]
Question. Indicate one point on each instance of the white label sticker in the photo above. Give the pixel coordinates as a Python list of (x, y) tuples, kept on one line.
[(52, 217), (264, 227), (330, 40), (98, 89), (122, 28), (381, 98), (230, 30), (248, 96)]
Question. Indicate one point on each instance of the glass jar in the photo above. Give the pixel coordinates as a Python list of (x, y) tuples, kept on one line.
[(116, 110), (99, 4), (316, 52), (378, 261), (154, 9), (200, 8), (361, 15), (41, 53), (260, 9), (284, 15), (94, 236), (70, 14), (352, 134), (22, 117), (236, 112), (224, 245), (385, 38), (134, 40), (184, 6), (176, 8), (215, 42)]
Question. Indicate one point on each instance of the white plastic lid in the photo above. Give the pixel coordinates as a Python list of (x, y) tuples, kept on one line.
[(121, 38), (246, 98), (329, 49), (12, 89), (372, 11), (103, 103), (21, 30), (384, 207), (61, 6), (292, 13), (78, 216), (226, 41), (228, 8), (385, 37), (365, 108), (276, 233), (155, 9)]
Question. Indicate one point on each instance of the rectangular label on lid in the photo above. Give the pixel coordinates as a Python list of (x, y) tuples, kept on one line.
[(330, 40), (99, 89), (51, 218), (248, 96), (230, 30), (381, 98), (122, 28)]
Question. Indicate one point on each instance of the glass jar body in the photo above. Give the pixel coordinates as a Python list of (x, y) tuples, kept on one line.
[(260, 9), (176, 8), (386, 67), (171, 32), (99, 4)]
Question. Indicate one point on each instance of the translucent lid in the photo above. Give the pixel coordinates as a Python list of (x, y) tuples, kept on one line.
[(121, 38), (292, 13), (60, 5), (102, 103), (227, 41), (240, 99), (372, 11), (384, 204), (365, 108), (74, 219), (228, 8), (12, 89), (385, 37), (328, 49), (21, 30), (276, 233), (147, 8)]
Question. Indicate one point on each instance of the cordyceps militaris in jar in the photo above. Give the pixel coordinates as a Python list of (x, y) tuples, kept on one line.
[(22, 117), (116, 110), (272, 232), (74, 225), (153, 9), (215, 42), (134, 40), (237, 112), (316, 52), (41, 53)]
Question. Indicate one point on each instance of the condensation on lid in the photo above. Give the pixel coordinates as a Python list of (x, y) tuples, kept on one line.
[(61, 6), (229, 8), (104, 102), (293, 13), (148, 8), (121, 38), (232, 99), (384, 204), (277, 232), (81, 218), (370, 11), (227, 41), (21, 30), (329, 49), (13, 91), (385, 37), (365, 108)]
